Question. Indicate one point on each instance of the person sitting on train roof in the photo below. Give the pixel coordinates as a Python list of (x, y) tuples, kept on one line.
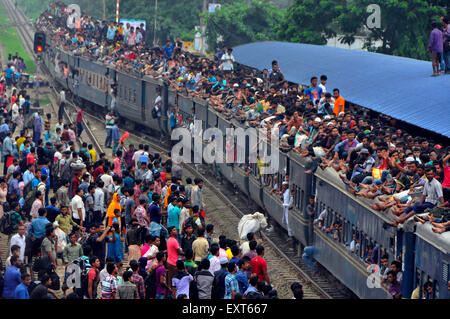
[(432, 195), (253, 102)]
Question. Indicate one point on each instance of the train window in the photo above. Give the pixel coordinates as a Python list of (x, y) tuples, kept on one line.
[(134, 96), (435, 290), (392, 245)]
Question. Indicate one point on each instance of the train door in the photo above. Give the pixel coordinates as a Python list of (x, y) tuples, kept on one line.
[(142, 100)]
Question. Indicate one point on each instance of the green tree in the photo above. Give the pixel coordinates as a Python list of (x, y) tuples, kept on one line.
[(242, 22), (310, 21), (404, 27)]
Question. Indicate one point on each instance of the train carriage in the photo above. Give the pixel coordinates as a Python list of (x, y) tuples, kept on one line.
[(425, 255)]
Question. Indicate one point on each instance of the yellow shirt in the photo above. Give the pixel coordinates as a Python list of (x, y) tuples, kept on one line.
[(229, 254), (93, 154), (20, 141)]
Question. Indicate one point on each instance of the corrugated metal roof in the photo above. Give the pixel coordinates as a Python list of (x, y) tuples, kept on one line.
[(399, 87)]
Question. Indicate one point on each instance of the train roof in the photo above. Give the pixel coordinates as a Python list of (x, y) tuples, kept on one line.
[(440, 241), (396, 86), (332, 177)]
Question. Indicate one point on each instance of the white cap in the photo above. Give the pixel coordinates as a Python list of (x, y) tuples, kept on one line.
[(410, 159), (318, 120), (235, 85), (342, 113), (327, 117)]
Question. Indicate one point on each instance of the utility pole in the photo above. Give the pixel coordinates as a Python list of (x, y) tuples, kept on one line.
[(104, 10), (154, 27), (203, 27)]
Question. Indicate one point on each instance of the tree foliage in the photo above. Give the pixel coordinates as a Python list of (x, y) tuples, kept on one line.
[(404, 23), (242, 22)]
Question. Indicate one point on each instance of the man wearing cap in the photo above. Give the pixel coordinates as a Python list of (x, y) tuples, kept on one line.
[(409, 174)]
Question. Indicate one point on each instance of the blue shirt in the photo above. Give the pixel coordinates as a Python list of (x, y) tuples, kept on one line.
[(174, 217), (115, 135), (46, 171), (21, 292), (168, 51), (12, 280), (242, 280), (4, 128), (14, 187), (9, 73), (314, 93), (37, 227), (27, 177), (111, 33), (250, 289), (173, 120), (231, 284), (128, 182)]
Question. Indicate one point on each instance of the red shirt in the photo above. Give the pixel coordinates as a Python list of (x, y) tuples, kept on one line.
[(75, 184), (446, 181), (98, 171), (258, 265), (172, 251), (80, 116), (30, 158)]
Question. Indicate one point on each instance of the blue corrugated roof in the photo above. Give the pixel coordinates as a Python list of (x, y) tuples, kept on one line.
[(399, 87)]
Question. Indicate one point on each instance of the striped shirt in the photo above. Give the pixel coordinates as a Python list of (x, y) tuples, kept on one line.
[(433, 191), (139, 282), (47, 125), (109, 287), (231, 284)]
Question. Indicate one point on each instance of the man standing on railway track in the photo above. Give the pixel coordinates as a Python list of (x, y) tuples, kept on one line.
[(62, 103), (110, 118), (287, 202)]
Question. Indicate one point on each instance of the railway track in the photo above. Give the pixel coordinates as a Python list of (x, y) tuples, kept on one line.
[(224, 206)]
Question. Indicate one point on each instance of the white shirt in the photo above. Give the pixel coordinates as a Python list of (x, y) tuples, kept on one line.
[(99, 200), (109, 121), (324, 89), (286, 198), (214, 264), (77, 202), (136, 157), (62, 96), (19, 241), (107, 179), (228, 65), (61, 126)]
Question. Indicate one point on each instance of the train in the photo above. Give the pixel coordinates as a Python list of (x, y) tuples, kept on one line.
[(424, 254)]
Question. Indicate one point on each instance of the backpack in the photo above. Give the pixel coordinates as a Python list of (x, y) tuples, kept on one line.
[(150, 284), (218, 290), (84, 277), (193, 290), (154, 113), (2, 283), (5, 224), (30, 197)]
